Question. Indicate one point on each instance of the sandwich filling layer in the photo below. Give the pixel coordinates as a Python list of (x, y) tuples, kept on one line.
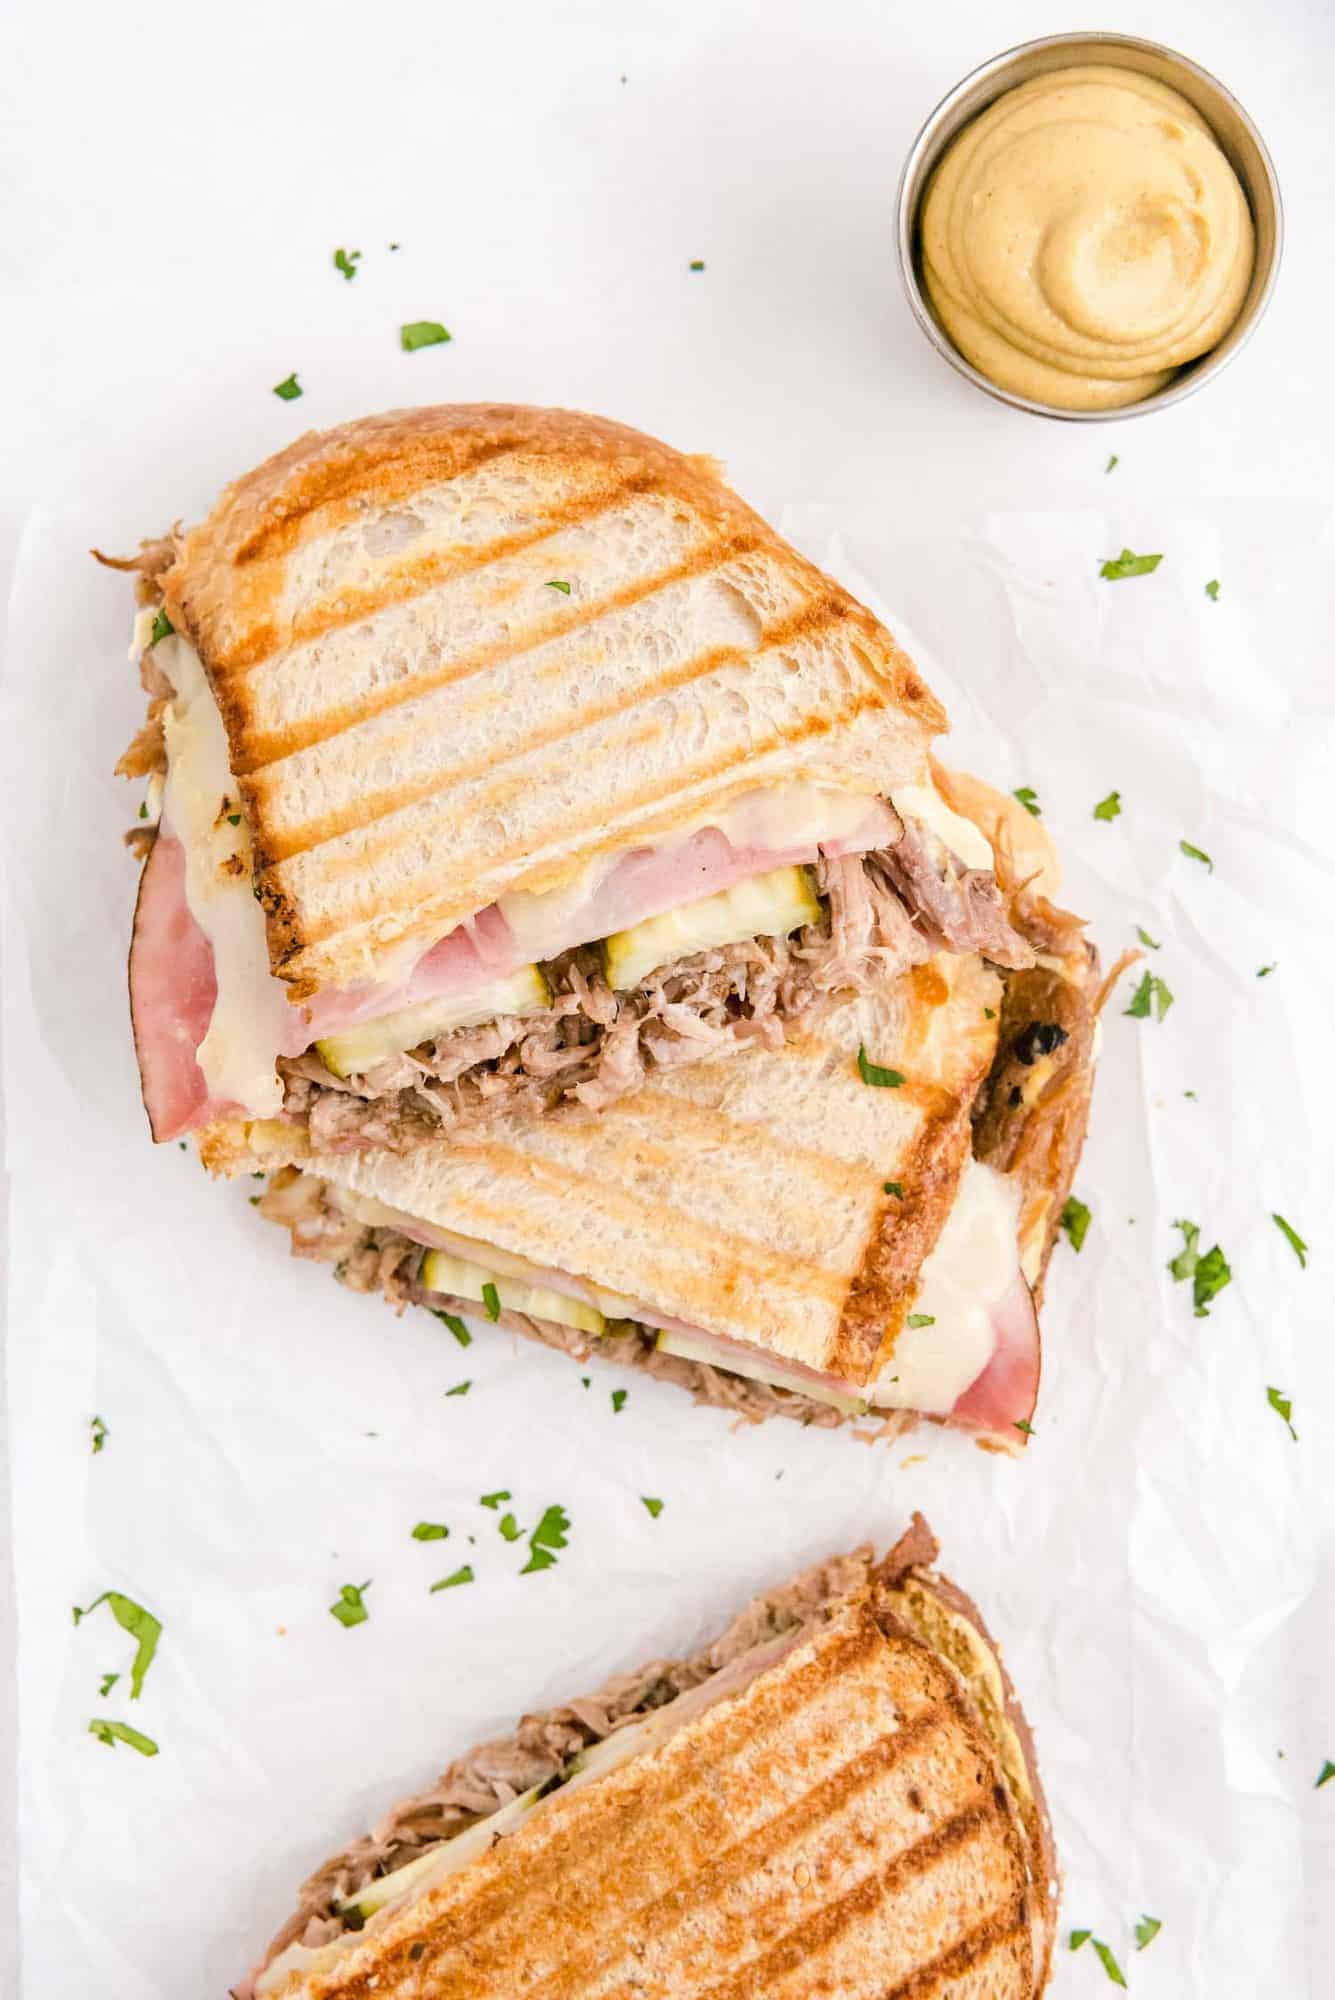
[(656, 955)]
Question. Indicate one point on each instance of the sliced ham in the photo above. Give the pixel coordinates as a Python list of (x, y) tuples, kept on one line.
[(172, 991), (1004, 1396)]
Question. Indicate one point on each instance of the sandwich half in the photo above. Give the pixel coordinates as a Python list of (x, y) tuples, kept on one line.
[(501, 758), (854, 1222), (838, 1796)]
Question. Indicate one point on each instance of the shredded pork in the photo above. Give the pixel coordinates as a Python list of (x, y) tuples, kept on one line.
[(543, 1744), (591, 1046)]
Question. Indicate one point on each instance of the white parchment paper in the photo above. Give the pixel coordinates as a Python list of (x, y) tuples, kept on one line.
[(1160, 1567)]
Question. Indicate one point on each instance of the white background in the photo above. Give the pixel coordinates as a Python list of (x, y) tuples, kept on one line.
[(176, 180)]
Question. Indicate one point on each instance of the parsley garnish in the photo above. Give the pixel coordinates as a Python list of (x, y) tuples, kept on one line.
[(491, 1299), (1110, 807), (421, 333), (559, 583), (510, 1527), (1196, 854), (141, 1626), (161, 628), (618, 1401), (108, 1683), (1078, 1938), (989, 1013), (1324, 1775), (655, 1506), (892, 1187), (1113, 460), (1212, 590), (350, 1610), (1286, 1228), (1264, 971), (1145, 938), (456, 1577), (288, 389), (1109, 1963), (1023, 1424), (1114, 568), (494, 1499), (1075, 1220), (100, 1434), (1283, 1407), (1208, 1274), (1151, 991), (872, 1073), (112, 1733), (347, 261), (1028, 798), (456, 1326), (549, 1534), (461, 1388), (430, 1531), (697, 263), (1146, 1931), (921, 1319)]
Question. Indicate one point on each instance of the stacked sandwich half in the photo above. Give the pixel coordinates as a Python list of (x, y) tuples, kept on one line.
[(548, 882)]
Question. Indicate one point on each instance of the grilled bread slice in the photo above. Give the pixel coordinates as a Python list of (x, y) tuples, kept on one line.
[(839, 1796), (466, 650)]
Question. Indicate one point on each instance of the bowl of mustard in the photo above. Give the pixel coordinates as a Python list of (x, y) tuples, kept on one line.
[(1090, 227)]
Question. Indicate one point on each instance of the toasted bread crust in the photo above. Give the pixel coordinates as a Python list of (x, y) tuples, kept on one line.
[(376, 599)]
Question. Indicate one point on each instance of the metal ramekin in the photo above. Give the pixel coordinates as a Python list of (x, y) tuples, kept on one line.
[(1234, 130)]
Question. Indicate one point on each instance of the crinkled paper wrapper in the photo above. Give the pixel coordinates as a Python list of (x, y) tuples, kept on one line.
[(1154, 1566)]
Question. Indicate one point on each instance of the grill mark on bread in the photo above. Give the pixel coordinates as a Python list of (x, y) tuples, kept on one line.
[(369, 808), (256, 749), (296, 937), (997, 1934)]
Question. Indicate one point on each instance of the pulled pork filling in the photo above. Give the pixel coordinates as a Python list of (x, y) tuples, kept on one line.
[(543, 1745), (590, 1046), (367, 1258)]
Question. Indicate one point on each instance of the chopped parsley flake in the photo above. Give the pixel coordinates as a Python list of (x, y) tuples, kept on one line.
[(491, 1299), (162, 628), (112, 1733), (558, 583), (141, 1625), (451, 1582), (549, 1535), (421, 333), (1075, 1220), (347, 261), (921, 1319), (989, 1013), (618, 1401), (1212, 590), (1324, 1775), (1283, 1407), (872, 1073), (1023, 1424), (456, 1326), (1154, 944), (1208, 1273), (288, 389), (1114, 568), (892, 1187), (494, 1499), (1028, 798), (350, 1609), (461, 1388), (510, 1527), (1195, 854), (1078, 1938), (1151, 992), (655, 1506), (1113, 460), (1110, 807), (697, 263), (1106, 1959), (430, 1531), (1264, 971), (1287, 1230), (108, 1683), (1146, 1931), (100, 1434)]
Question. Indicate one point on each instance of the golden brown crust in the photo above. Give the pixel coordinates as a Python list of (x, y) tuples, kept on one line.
[(254, 586)]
